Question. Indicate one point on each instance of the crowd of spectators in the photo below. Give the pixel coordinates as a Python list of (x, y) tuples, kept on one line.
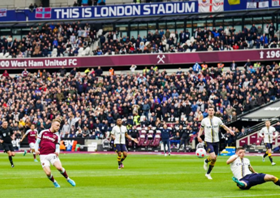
[(89, 103), (68, 39)]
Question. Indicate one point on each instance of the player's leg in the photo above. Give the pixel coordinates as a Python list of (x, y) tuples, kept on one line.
[(181, 143), (34, 155), (269, 153), (164, 147), (11, 153), (10, 156), (32, 150), (213, 150), (272, 178), (168, 147), (123, 158), (266, 153), (57, 164), (45, 162), (119, 158)]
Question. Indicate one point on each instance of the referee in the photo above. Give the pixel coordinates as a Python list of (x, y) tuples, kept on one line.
[(6, 140)]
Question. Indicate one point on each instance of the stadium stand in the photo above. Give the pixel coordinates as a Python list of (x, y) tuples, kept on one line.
[(89, 103), (81, 39)]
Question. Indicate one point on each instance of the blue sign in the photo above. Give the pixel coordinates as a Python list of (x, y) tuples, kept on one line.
[(134, 10), (104, 11)]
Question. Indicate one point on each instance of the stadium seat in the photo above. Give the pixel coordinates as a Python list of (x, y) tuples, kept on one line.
[(141, 139), (151, 132), (158, 132), (156, 141), (148, 141)]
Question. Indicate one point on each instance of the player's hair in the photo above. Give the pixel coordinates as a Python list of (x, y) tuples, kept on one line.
[(56, 120), (211, 107), (239, 148)]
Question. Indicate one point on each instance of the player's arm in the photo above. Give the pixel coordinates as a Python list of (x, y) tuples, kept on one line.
[(261, 133), (131, 138), (57, 146), (24, 136), (37, 143), (113, 133), (227, 129), (251, 169), (200, 131), (232, 159)]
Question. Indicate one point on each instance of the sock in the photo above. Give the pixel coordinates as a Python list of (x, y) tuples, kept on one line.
[(211, 166), (270, 158), (11, 160), (123, 158), (210, 169), (63, 172), (34, 156), (276, 181), (265, 155), (51, 178), (207, 160), (119, 160)]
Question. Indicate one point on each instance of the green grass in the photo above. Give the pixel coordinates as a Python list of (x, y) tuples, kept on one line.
[(143, 176)]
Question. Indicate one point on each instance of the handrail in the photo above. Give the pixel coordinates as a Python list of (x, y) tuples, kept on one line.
[(252, 110), (259, 126)]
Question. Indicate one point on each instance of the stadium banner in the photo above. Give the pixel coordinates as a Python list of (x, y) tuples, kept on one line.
[(141, 59), (133, 10), (71, 143), (96, 12)]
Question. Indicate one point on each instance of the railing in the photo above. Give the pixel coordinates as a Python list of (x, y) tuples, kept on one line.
[(258, 127), (239, 117)]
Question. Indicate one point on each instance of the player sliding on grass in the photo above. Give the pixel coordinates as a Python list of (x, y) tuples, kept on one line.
[(32, 136), (6, 140), (119, 133), (48, 141), (244, 175), (267, 134), (211, 127)]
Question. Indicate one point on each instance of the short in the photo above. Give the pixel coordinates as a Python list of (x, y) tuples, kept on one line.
[(252, 180), (120, 148), (268, 145), (8, 147), (212, 147), (47, 160), (32, 145)]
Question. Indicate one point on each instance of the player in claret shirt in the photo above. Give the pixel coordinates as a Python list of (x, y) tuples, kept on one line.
[(48, 141), (32, 136)]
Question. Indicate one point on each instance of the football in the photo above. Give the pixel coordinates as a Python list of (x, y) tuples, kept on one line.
[(200, 152)]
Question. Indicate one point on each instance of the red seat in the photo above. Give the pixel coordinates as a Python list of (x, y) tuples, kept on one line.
[(141, 139), (156, 141), (148, 141)]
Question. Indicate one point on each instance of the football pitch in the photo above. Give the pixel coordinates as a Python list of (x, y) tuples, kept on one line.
[(155, 176)]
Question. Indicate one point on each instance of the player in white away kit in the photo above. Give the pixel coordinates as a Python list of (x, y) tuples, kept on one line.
[(32, 134), (267, 134), (211, 127), (48, 141), (119, 133), (244, 175)]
